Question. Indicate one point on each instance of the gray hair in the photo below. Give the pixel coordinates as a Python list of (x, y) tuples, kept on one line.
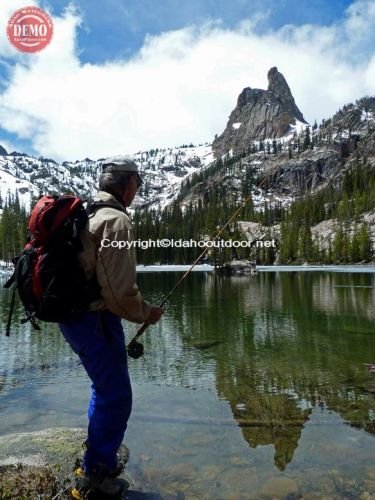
[(114, 183)]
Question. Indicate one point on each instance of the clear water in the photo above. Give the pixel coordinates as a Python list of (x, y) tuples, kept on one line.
[(250, 387)]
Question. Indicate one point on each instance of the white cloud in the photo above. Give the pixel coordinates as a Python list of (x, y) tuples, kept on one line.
[(181, 86), (8, 146)]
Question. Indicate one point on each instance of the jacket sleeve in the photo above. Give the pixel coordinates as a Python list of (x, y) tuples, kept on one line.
[(116, 274)]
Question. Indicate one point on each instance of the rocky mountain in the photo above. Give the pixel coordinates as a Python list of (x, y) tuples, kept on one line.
[(328, 158), (321, 155), (266, 137), (260, 114), (303, 161), (267, 150), (162, 171)]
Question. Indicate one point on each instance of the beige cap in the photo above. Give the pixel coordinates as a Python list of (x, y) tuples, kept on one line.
[(120, 163)]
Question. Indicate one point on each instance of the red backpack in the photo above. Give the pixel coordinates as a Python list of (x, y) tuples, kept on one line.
[(48, 277)]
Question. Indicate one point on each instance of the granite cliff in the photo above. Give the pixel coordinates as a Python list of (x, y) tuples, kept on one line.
[(260, 114)]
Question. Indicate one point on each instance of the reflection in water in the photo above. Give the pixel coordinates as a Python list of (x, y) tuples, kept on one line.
[(276, 346), (29, 356), (273, 419), (297, 352), (280, 345)]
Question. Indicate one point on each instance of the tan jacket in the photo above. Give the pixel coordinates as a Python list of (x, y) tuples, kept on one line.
[(115, 268)]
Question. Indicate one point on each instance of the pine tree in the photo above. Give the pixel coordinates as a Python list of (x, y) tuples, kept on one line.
[(338, 245), (307, 139), (365, 244), (355, 244)]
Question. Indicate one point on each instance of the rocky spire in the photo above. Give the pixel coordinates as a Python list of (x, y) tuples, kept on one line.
[(260, 114), (3, 151), (278, 86)]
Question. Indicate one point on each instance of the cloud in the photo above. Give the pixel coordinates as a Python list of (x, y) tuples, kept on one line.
[(182, 84), (8, 146)]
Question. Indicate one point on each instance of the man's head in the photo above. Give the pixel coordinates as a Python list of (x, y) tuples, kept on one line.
[(120, 178)]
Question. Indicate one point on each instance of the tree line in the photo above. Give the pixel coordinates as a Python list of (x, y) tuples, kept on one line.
[(350, 242), (13, 228), (214, 204)]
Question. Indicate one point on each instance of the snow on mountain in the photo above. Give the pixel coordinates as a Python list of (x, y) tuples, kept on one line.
[(162, 171), (30, 177)]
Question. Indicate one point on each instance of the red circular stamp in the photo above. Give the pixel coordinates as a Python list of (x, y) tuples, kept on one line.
[(30, 29)]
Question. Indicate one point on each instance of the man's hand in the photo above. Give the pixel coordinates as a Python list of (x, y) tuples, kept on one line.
[(154, 316)]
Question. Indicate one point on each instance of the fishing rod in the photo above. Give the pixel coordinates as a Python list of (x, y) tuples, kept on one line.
[(135, 349)]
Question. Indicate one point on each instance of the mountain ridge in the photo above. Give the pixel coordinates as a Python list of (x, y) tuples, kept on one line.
[(305, 158)]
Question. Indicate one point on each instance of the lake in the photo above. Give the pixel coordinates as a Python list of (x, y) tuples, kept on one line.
[(250, 387)]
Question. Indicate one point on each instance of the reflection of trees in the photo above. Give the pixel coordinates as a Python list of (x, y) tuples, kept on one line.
[(333, 293), (5, 298), (283, 338), (27, 352), (294, 351)]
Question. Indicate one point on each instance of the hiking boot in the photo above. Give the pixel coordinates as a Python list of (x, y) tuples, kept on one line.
[(97, 486), (122, 459)]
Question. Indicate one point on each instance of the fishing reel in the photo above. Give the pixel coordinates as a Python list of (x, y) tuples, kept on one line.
[(135, 349)]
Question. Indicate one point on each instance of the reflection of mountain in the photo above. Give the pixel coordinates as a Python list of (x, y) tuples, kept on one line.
[(298, 352), (275, 419), (272, 419), (289, 343), (332, 293)]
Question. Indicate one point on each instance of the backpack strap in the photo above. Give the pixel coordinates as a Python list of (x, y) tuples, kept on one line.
[(12, 283), (12, 301), (92, 205)]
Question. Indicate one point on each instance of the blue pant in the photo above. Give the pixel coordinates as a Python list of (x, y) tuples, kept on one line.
[(98, 339)]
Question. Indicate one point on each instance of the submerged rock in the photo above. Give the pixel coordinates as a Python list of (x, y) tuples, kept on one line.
[(206, 345), (279, 487), (29, 482), (40, 465), (60, 446)]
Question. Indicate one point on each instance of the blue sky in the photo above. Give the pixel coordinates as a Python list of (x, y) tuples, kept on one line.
[(128, 76), (118, 28)]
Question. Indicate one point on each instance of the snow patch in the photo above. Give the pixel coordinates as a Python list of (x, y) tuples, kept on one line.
[(198, 267), (162, 170)]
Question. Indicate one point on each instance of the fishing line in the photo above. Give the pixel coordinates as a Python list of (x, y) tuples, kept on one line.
[(135, 349)]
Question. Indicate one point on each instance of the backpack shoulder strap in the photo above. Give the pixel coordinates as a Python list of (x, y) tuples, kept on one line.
[(93, 205)]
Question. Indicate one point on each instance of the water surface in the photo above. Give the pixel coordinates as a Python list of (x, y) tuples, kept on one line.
[(250, 387)]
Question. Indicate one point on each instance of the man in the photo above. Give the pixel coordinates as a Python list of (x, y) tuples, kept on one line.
[(97, 336)]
